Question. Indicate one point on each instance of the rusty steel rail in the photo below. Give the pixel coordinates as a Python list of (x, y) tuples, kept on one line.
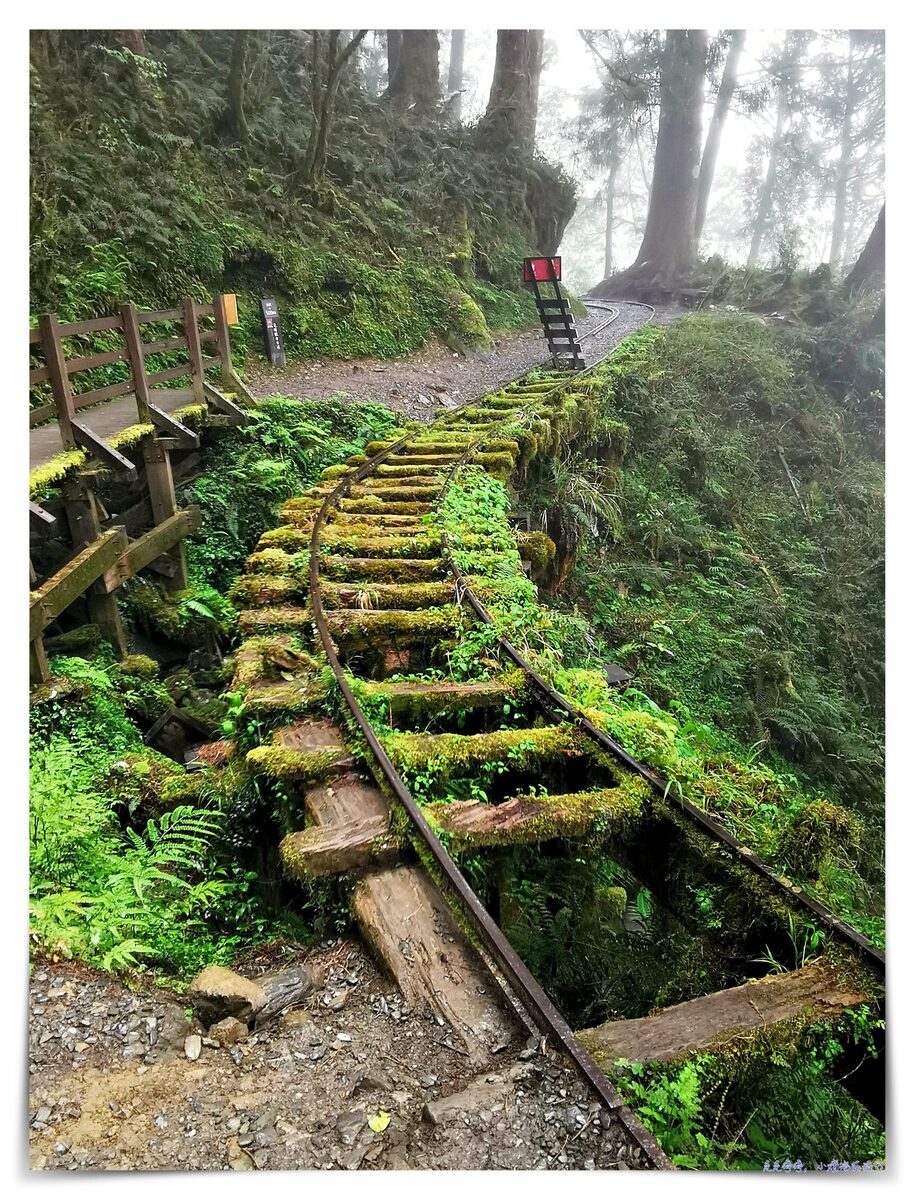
[(528, 991)]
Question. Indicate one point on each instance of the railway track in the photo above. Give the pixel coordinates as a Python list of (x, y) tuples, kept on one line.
[(380, 601)]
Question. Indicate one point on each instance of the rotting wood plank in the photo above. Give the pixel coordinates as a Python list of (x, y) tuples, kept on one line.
[(150, 546), (74, 577), (409, 926), (813, 993), (332, 849)]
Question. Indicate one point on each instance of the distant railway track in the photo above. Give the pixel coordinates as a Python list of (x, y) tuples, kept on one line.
[(421, 467)]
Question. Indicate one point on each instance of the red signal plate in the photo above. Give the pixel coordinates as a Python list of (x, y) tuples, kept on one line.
[(539, 269)]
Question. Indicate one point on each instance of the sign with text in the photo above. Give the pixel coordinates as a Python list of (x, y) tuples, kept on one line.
[(538, 269), (273, 334)]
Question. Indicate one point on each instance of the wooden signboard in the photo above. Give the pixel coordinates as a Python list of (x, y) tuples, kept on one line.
[(273, 335)]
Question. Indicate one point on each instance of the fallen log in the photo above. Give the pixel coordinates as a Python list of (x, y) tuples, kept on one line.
[(813, 993)]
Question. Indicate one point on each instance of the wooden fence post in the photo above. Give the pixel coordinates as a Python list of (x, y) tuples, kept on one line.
[(155, 457), (85, 526), (223, 342), (60, 380), (137, 361), (192, 334)]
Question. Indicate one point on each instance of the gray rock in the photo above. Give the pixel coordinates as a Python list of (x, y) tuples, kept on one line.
[(193, 1044), (349, 1125), (228, 1031), (216, 992)]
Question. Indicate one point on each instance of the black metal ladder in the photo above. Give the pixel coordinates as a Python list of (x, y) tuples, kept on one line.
[(558, 326)]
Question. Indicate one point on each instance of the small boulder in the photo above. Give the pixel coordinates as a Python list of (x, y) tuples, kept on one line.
[(228, 1031), (193, 1044), (216, 992)]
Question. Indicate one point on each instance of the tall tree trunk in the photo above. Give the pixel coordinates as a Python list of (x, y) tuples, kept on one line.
[(415, 80), (456, 72), (870, 269), (843, 167), (608, 229), (134, 40), (719, 116), (764, 204), (511, 114), (394, 41), (669, 243), (327, 63), (237, 119)]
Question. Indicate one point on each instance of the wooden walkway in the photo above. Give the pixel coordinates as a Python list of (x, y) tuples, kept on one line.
[(105, 420)]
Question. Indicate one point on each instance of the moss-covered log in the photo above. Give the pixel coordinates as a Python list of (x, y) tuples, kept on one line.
[(736, 1018), (536, 818)]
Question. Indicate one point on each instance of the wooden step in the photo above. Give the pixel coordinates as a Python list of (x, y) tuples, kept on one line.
[(274, 617), (333, 849), (415, 935), (383, 545), (390, 521), (369, 504), (378, 596), (396, 629), (438, 697), (401, 570), (734, 1016), (307, 751), (527, 819), (526, 748)]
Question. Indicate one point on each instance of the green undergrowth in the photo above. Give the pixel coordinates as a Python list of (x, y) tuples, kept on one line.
[(751, 621), (136, 864), (415, 228), (248, 475), (759, 1116)]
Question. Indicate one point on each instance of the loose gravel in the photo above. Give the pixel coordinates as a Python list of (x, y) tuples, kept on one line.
[(120, 1079), (419, 383)]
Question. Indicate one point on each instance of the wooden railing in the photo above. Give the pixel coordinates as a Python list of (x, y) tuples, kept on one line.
[(104, 558), (47, 341)]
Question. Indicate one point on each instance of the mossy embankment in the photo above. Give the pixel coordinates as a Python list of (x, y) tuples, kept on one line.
[(416, 228)]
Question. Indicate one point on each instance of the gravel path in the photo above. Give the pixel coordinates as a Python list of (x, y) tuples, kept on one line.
[(112, 1086), (417, 383)]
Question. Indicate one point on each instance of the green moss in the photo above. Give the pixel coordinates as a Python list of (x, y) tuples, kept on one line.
[(379, 630), (132, 436), (446, 754), (466, 329), (294, 766), (376, 595), (390, 570), (140, 665), (537, 548), (45, 476), (287, 538), (819, 830)]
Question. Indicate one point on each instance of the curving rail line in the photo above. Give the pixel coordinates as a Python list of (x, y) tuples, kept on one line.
[(525, 987)]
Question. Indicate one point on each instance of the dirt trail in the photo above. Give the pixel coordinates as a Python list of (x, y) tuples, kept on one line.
[(418, 383), (112, 1087)]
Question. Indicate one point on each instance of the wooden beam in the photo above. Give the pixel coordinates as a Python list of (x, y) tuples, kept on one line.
[(812, 994), (41, 519), (140, 553), (137, 358), (186, 438), (215, 396), (39, 672), (100, 449), (192, 333), (73, 579), (223, 340), (242, 388), (60, 380)]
